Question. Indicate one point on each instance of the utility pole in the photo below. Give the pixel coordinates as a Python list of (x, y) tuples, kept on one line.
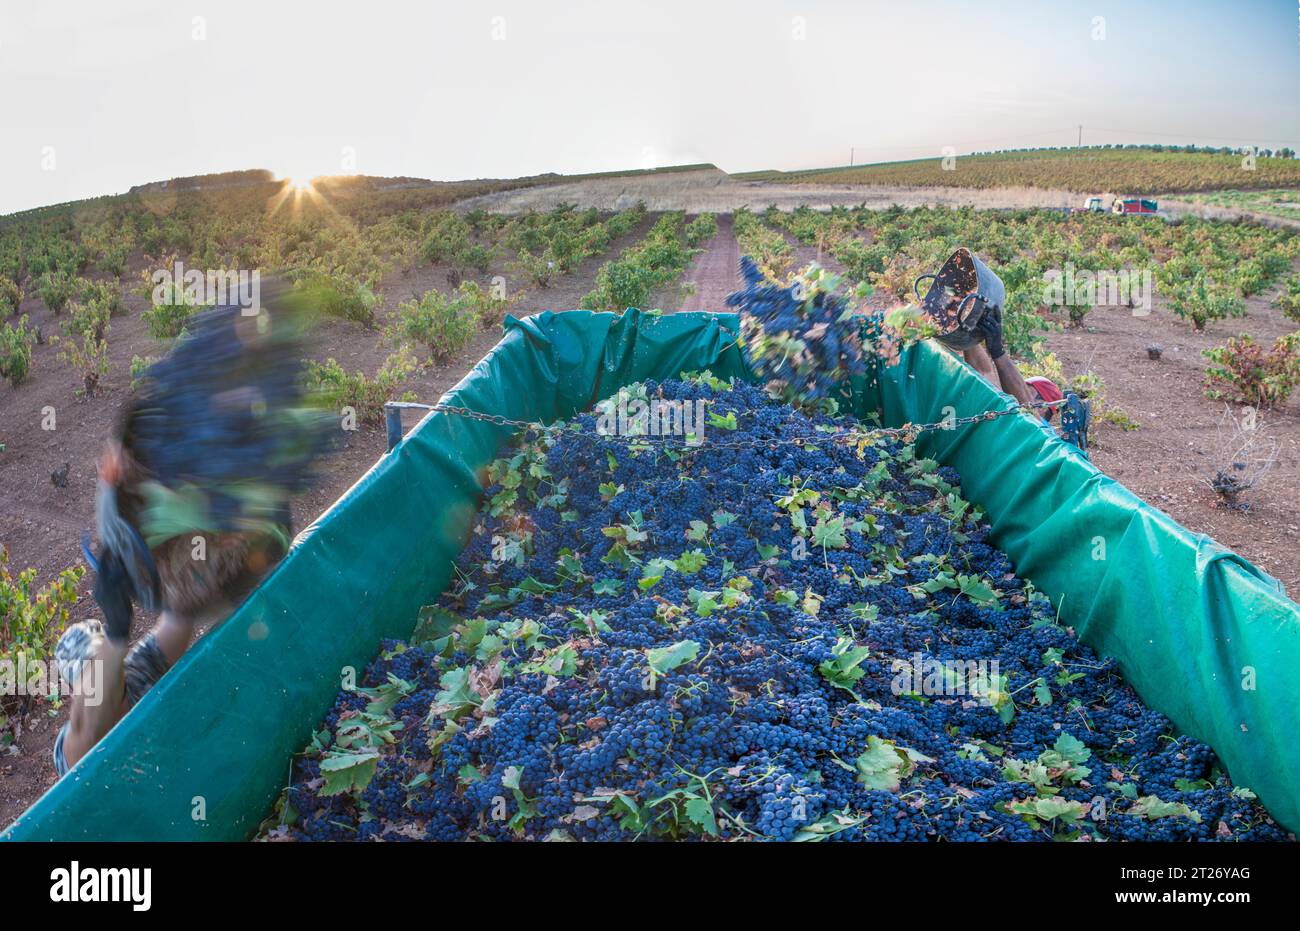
[(1081, 135), (850, 156)]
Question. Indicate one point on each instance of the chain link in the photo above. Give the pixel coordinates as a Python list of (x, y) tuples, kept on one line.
[(907, 431)]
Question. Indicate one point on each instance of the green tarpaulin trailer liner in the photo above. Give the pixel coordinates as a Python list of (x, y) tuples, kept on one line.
[(1204, 636)]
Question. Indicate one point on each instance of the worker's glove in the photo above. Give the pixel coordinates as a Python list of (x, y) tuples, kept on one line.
[(990, 328), (113, 592)]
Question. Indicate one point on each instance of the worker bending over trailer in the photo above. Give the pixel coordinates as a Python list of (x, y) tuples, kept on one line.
[(965, 299), (995, 366)]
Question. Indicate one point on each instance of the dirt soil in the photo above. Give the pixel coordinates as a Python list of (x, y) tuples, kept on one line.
[(714, 273), (1165, 461), (1182, 441)]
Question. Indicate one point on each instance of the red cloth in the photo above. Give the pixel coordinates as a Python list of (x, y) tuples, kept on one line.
[(1047, 390)]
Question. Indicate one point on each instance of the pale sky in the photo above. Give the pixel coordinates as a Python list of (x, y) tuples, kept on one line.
[(98, 96)]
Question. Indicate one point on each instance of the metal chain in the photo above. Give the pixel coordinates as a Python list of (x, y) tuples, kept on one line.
[(906, 431)]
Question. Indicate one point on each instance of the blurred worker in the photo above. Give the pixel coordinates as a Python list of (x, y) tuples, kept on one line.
[(192, 507)]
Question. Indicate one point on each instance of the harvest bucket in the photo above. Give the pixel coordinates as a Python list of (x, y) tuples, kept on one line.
[(1183, 616), (959, 294)]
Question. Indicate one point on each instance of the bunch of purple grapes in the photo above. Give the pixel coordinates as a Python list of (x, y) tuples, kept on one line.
[(802, 339)]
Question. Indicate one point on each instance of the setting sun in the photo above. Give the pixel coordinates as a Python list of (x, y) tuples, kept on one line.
[(297, 191)]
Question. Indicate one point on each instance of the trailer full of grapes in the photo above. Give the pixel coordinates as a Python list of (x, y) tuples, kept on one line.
[(1203, 636)]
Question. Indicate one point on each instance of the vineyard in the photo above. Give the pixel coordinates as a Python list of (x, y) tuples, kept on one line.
[(1204, 269), (413, 286), (339, 246), (1090, 170)]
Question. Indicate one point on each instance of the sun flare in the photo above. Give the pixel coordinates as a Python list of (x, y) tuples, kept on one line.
[(298, 192)]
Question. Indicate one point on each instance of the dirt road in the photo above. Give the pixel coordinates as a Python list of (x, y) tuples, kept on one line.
[(716, 272), (1179, 208)]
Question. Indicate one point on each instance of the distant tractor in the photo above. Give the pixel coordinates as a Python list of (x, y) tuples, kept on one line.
[(1139, 206), (1091, 205)]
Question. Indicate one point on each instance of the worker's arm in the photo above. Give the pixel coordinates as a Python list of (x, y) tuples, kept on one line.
[(1013, 383), (994, 363), (977, 357), (93, 716)]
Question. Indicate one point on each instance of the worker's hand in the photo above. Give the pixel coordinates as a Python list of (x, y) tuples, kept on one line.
[(990, 329), (113, 592)]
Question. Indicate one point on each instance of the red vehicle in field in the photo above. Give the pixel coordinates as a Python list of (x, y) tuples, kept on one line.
[(1135, 205)]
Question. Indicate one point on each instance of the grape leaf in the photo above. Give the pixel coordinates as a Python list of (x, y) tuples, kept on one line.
[(1150, 806), (830, 533), (665, 659), (977, 590), (701, 813), (691, 562), (698, 531), (347, 772), (880, 766)]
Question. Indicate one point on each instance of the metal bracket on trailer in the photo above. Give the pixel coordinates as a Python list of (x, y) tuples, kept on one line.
[(393, 419), (1075, 416)]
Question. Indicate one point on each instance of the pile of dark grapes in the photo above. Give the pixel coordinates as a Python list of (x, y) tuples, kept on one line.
[(771, 633)]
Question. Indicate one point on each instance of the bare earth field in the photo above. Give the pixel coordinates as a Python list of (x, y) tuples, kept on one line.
[(1169, 460), (1164, 461), (716, 191)]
